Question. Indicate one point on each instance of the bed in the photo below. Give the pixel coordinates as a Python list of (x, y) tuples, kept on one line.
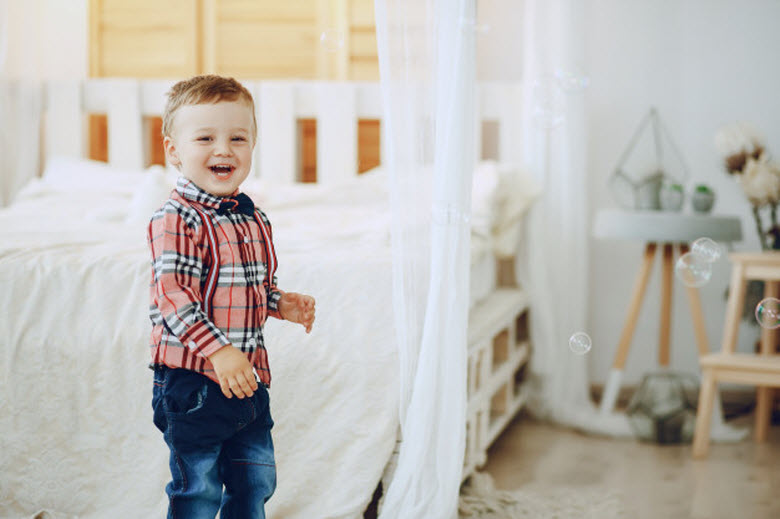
[(77, 436)]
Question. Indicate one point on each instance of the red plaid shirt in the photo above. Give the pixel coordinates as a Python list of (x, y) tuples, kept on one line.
[(202, 299)]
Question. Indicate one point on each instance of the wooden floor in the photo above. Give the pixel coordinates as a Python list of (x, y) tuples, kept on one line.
[(736, 481)]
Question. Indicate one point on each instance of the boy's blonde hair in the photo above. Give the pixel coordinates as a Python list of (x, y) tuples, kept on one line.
[(205, 89)]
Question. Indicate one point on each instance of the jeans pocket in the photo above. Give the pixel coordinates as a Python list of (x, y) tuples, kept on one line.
[(184, 392)]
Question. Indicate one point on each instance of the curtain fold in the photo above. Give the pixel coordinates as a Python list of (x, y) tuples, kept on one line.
[(426, 57), (554, 265)]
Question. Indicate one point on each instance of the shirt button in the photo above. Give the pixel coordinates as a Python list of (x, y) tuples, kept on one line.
[(252, 342), (192, 345), (246, 239)]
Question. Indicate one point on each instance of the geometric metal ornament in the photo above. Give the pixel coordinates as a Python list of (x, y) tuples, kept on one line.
[(663, 409), (640, 190)]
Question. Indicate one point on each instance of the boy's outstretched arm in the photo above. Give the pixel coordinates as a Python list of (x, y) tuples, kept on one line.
[(297, 308)]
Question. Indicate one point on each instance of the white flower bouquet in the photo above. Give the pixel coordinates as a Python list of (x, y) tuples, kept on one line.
[(744, 155)]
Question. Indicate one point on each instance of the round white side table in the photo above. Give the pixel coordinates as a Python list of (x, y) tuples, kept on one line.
[(669, 232)]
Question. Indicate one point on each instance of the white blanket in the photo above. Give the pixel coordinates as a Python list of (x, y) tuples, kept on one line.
[(75, 427)]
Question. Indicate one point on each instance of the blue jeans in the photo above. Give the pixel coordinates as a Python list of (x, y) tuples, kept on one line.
[(214, 441)]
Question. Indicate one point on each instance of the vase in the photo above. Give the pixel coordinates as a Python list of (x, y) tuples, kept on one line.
[(672, 199), (702, 201)]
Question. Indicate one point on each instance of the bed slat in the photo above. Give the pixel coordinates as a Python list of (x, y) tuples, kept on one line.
[(125, 125), (64, 119), (276, 151), (337, 157)]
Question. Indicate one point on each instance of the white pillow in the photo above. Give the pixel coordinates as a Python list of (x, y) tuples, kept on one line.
[(150, 194), (72, 174)]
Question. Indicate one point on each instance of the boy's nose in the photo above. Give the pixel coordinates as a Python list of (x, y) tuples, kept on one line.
[(222, 149)]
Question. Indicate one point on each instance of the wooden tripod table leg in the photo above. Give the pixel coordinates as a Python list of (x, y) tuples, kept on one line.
[(701, 435), (640, 287), (666, 305), (764, 394), (694, 301)]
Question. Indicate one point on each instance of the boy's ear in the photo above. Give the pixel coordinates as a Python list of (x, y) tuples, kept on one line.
[(170, 152)]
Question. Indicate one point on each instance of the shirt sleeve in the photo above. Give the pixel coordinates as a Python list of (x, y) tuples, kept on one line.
[(177, 265), (272, 292)]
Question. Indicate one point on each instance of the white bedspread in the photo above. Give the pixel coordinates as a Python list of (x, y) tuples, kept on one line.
[(75, 428)]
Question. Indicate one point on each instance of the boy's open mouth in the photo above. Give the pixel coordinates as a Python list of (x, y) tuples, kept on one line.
[(222, 171)]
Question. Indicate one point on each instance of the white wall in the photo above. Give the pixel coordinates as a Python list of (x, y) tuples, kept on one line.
[(46, 38), (703, 63)]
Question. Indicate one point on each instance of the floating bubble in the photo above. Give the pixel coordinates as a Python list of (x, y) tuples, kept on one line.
[(548, 103), (693, 270), (474, 25), (572, 80), (707, 249), (768, 313), (332, 39), (580, 343)]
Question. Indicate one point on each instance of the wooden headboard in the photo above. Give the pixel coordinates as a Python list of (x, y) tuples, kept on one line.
[(336, 107)]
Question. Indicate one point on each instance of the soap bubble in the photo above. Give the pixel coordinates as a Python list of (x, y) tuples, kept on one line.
[(580, 343), (332, 39), (768, 313), (707, 249), (693, 270), (572, 80), (548, 103)]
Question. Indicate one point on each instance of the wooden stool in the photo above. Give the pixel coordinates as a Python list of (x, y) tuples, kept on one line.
[(667, 233), (761, 370)]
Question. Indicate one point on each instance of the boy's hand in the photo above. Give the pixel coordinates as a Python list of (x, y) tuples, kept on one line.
[(234, 372), (297, 308)]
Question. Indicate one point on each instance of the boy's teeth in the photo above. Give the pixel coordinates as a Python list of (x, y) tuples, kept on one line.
[(221, 170)]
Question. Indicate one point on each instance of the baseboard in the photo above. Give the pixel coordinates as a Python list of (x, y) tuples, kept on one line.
[(733, 398)]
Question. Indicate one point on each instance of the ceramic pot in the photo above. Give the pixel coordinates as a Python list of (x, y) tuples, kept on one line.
[(702, 202)]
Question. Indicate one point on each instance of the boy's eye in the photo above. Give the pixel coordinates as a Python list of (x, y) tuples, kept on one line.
[(204, 138), (239, 138)]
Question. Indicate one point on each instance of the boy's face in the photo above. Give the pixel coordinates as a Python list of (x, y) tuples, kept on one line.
[(212, 144)]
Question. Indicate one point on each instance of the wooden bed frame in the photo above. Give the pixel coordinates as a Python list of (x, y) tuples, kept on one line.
[(498, 325)]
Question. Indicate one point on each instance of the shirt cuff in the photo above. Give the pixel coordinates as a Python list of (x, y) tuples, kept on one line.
[(273, 303), (203, 338)]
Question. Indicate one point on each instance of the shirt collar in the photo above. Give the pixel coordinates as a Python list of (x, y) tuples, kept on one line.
[(187, 189)]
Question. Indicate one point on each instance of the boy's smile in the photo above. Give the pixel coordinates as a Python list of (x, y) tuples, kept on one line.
[(212, 145), (223, 171)]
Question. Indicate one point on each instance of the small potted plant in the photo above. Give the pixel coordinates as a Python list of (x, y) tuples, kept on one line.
[(703, 198), (672, 197)]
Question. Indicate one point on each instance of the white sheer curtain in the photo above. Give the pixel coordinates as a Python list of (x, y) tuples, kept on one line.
[(426, 56), (20, 98), (555, 267)]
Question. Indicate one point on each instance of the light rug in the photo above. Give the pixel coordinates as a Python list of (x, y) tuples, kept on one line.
[(479, 499)]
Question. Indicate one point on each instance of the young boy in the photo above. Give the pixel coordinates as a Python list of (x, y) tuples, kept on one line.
[(213, 286)]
